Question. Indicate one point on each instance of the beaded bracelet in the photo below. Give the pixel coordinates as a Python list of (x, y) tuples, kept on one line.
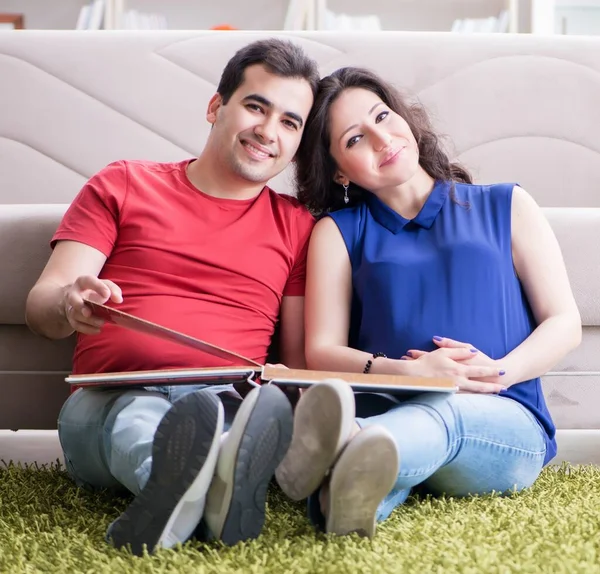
[(370, 361)]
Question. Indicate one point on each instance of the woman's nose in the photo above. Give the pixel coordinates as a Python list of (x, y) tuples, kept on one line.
[(381, 139)]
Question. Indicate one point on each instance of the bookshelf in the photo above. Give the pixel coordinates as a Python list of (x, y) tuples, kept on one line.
[(537, 16), (458, 15), (434, 15), (113, 15)]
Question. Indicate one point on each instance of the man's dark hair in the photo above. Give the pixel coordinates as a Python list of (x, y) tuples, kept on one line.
[(279, 57)]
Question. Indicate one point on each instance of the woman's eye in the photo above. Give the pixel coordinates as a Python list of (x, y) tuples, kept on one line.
[(381, 117), (352, 141)]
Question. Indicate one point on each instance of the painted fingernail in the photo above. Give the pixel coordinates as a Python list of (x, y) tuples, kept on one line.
[(409, 353), (436, 338), (501, 373), (504, 389), (473, 350)]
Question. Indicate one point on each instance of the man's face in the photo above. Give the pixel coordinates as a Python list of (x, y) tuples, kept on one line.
[(257, 133)]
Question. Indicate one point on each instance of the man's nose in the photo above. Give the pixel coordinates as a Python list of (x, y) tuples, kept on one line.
[(266, 130)]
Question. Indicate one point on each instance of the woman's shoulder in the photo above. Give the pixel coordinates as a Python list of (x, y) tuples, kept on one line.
[(494, 194), (349, 212), (347, 215), (347, 222), (484, 188)]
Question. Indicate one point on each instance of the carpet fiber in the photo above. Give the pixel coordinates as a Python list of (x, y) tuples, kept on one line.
[(48, 525)]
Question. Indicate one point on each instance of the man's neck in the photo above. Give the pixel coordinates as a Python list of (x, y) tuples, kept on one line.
[(205, 175)]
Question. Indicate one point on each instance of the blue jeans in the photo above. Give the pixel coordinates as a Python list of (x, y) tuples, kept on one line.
[(107, 435), (458, 445)]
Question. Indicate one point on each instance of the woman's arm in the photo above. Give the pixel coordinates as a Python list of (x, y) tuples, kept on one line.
[(327, 320), (327, 304), (539, 264)]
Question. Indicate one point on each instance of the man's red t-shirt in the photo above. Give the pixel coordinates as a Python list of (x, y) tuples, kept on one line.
[(212, 268)]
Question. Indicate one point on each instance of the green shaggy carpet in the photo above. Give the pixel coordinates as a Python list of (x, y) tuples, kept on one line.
[(48, 525)]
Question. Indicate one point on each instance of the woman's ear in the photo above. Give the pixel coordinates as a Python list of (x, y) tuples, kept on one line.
[(340, 178), (213, 106)]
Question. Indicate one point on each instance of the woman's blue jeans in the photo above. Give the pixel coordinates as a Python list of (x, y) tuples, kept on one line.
[(454, 444)]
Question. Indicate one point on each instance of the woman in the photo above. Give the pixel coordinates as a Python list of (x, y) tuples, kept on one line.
[(414, 270)]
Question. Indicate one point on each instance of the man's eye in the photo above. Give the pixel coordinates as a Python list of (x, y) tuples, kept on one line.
[(352, 141), (254, 107), (290, 124)]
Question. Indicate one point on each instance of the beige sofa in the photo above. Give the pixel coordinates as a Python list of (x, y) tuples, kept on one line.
[(518, 108)]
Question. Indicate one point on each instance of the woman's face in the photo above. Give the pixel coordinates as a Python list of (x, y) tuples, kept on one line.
[(372, 146)]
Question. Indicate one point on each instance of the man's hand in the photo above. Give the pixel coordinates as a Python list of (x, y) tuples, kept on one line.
[(77, 313), (459, 361)]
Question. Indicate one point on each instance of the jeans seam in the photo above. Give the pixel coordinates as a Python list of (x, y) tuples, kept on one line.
[(517, 450), (504, 445)]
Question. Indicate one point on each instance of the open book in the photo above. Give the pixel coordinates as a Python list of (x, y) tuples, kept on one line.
[(242, 369)]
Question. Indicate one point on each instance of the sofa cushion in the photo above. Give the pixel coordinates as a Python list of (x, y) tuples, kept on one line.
[(578, 232), (25, 232)]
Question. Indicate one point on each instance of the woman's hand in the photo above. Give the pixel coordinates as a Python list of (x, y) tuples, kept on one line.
[(476, 357), (473, 373)]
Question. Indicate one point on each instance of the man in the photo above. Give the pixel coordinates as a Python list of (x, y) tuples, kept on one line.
[(204, 247)]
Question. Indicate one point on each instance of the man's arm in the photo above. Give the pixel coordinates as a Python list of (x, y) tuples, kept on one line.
[(55, 306), (291, 342)]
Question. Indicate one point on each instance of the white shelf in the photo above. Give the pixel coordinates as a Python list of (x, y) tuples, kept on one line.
[(415, 14), (409, 15)]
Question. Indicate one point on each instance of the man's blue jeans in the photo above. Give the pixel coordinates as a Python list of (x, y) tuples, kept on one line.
[(107, 435), (457, 445)]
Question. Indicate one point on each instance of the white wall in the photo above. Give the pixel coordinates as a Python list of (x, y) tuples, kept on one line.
[(45, 14), (542, 17)]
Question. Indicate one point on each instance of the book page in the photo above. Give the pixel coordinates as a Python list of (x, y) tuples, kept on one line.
[(141, 325), (380, 383)]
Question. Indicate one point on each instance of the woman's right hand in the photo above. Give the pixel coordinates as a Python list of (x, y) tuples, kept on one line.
[(77, 313), (446, 362)]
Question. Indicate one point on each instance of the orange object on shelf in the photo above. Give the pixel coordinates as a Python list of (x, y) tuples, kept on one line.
[(223, 27)]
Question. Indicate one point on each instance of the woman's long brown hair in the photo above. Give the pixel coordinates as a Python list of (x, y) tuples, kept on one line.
[(315, 168)]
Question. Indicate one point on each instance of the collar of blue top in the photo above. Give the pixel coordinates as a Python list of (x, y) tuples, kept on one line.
[(393, 221)]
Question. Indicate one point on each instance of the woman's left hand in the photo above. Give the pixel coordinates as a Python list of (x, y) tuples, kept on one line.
[(479, 358)]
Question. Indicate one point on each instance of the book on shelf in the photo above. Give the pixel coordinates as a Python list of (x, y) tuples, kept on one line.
[(112, 15), (490, 25), (241, 370)]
